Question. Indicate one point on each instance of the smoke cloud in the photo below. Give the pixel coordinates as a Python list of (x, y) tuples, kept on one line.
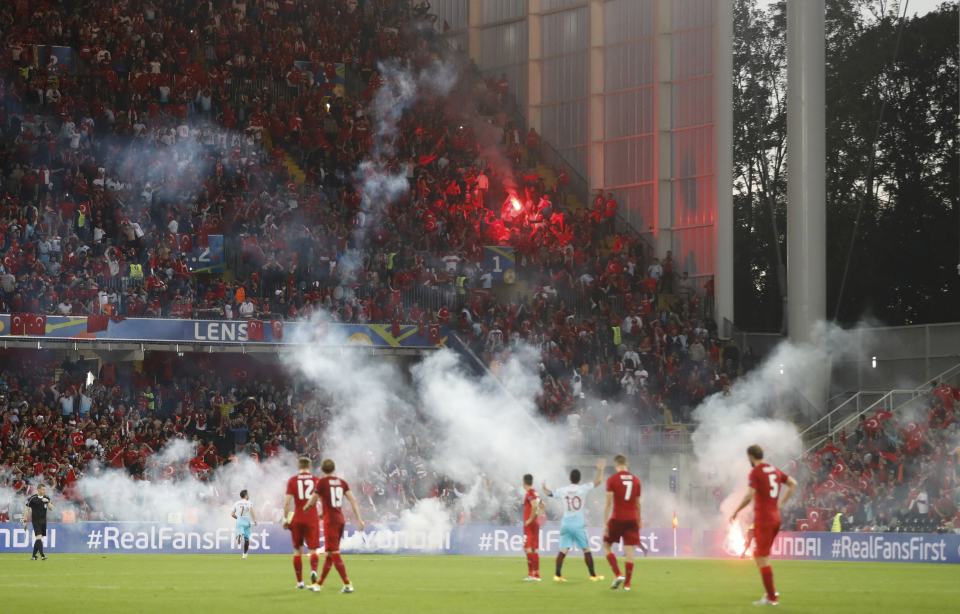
[(761, 409)]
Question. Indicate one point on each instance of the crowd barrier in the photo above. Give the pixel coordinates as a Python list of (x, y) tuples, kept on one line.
[(470, 539)]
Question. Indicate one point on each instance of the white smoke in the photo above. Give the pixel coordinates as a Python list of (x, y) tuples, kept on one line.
[(483, 433), (379, 182), (762, 408), (171, 493)]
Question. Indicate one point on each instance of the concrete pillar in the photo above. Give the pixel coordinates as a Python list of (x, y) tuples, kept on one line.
[(806, 210), (534, 66), (663, 146), (474, 23), (595, 109), (723, 163)]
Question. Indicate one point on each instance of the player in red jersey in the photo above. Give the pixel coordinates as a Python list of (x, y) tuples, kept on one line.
[(766, 485), (622, 511), (331, 491), (532, 508), (302, 520)]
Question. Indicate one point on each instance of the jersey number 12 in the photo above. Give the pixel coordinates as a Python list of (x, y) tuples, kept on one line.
[(304, 489)]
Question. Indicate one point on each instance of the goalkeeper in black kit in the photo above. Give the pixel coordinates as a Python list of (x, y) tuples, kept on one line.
[(36, 514)]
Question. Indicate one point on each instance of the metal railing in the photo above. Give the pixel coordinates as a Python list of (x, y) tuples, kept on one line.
[(675, 438), (849, 413)]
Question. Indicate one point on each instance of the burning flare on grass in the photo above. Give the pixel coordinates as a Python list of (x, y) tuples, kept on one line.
[(734, 542)]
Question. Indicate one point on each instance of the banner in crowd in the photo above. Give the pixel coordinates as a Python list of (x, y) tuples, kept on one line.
[(209, 259), (221, 331), (501, 262), (867, 547)]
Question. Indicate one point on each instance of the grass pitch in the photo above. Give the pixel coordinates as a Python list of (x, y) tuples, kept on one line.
[(180, 584)]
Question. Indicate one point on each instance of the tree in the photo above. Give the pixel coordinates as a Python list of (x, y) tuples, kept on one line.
[(892, 163)]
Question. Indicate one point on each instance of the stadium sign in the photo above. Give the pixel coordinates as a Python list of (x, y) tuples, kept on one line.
[(469, 539), (221, 332), (866, 547)]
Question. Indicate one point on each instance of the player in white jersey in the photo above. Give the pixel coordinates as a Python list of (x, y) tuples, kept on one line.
[(573, 527), (245, 517)]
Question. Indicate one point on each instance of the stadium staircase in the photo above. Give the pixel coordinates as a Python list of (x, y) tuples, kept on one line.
[(846, 415)]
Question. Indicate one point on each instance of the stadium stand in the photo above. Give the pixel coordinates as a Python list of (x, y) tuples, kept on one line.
[(895, 471), (131, 133)]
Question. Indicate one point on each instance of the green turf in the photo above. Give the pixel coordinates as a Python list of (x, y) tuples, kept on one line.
[(182, 584)]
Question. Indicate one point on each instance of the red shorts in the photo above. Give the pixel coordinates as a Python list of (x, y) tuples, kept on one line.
[(305, 532), (332, 534), (627, 530), (531, 537), (764, 535)]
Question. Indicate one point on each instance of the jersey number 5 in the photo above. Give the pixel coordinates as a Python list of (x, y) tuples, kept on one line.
[(628, 485), (304, 489), (774, 483)]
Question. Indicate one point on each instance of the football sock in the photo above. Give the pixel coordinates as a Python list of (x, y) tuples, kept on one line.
[(327, 565), (314, 561), (560, 557), (341, 568), (767, 574), (588, 557), (37, 544), (536, 564), (246, 545), (529, 564), (612, 559), (298, 567), (629, 572)]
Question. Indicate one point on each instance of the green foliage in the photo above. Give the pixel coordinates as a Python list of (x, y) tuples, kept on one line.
[(901, 175)]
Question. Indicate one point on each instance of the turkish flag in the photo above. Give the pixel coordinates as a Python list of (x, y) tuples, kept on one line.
[(276, 327), (36, 325), (18, 324), (255, 330), (97, 323)]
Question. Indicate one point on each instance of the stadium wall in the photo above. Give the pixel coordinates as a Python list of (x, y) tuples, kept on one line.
[(472, 539)]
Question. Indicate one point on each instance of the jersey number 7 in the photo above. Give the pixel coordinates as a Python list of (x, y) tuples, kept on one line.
[(628, 485)]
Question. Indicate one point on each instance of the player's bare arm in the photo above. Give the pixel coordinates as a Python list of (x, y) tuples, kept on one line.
[(788, 491), (747, 498), (546, 491), (639, 514), (598, 476), (253, 515), (27, 515), (287, 511), (356, 509), (311, 501)]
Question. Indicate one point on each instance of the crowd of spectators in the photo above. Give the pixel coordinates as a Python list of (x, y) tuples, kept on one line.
[(891, 472), (131, 132), (172, 121), (54, 424)]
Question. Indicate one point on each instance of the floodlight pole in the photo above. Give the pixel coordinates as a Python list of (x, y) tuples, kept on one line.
[(806, 152)]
